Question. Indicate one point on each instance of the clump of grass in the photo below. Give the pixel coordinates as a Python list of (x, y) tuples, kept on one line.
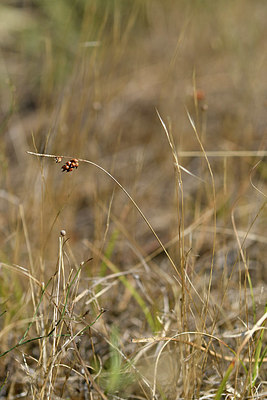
[(58, 326), (166, 236)]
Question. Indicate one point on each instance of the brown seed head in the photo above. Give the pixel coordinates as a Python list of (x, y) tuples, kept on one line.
[(73, 163)]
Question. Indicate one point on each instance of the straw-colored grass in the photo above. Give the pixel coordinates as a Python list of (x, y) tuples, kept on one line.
[(141, 274)]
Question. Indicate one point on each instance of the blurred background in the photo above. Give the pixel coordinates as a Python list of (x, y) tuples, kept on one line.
[(84, 79)]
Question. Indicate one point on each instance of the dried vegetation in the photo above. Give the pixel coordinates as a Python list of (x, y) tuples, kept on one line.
[(141, 274)]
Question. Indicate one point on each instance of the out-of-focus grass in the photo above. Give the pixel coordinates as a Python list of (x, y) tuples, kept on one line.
[(84, 79)]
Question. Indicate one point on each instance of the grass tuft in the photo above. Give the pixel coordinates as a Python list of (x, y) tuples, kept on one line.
[(135, 268)]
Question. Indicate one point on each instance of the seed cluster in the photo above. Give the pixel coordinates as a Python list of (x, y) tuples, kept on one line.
[(70, 165)]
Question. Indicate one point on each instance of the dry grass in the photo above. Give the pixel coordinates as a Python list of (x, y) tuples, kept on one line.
[(157, 287)]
